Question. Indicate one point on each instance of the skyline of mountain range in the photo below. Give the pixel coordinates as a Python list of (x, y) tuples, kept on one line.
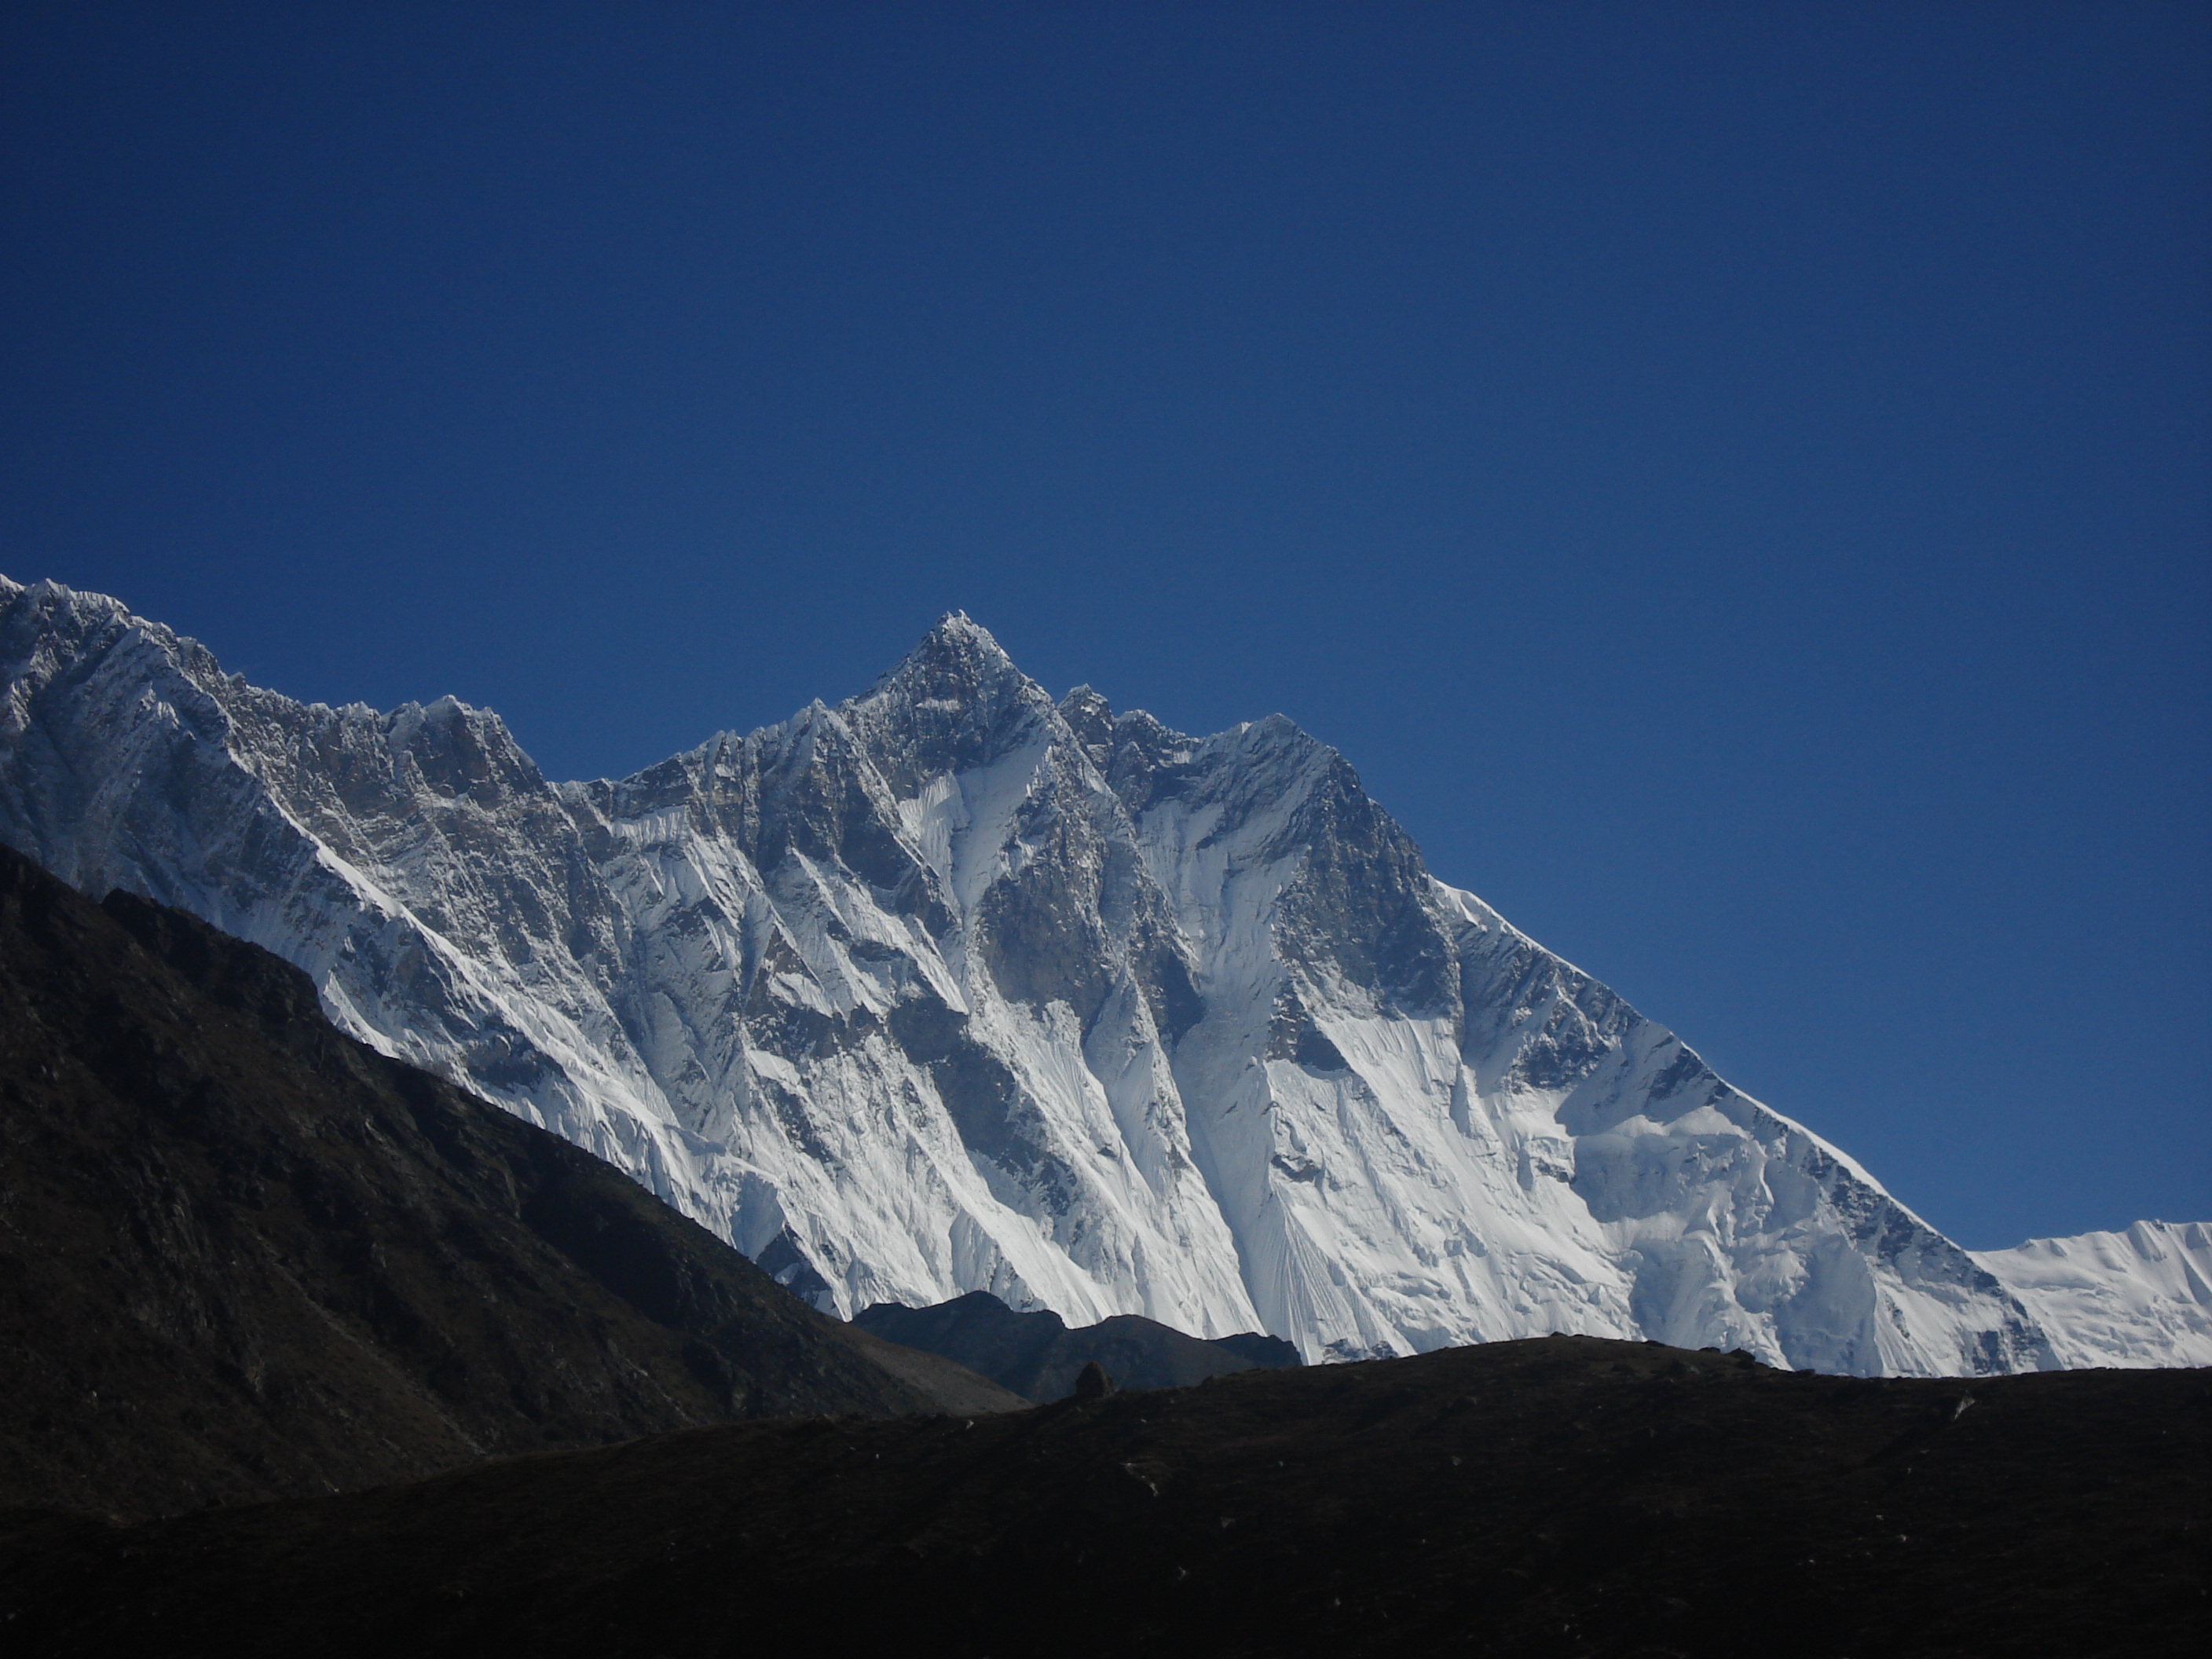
[(956, 988)]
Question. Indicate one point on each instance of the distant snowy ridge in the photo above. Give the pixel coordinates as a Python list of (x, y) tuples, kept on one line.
[(2141, 1298), (952, 987)]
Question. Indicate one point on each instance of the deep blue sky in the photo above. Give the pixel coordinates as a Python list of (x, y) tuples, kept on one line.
[(1737, 481)]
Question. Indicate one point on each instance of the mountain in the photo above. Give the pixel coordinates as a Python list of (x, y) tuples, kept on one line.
[(1562, 1496), (2138, 1298), (243, 1257), (1035, 1355), (954, 987)]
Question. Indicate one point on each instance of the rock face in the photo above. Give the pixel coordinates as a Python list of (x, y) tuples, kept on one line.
[(950, 987), (1036, 1356), (242, 1256)]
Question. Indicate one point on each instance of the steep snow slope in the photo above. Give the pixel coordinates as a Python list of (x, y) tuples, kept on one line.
[(949, 987), (2138, 1298)]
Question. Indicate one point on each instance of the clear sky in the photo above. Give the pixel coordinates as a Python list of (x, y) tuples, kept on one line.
[(1736, 480)]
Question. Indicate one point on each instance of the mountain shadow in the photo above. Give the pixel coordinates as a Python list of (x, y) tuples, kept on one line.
[(1036, 1355), (243, 1257)]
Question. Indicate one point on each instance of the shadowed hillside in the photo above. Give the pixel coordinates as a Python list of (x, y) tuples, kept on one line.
[(244, 1256), (1561, 1496), (1036, 1355)]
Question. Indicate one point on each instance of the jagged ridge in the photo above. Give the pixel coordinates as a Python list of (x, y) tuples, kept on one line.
[(950, 987)]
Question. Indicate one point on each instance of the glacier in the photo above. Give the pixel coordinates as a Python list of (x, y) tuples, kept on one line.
[(952, 987), (2135, 1298)]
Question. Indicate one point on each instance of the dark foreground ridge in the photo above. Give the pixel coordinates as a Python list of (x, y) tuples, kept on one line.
[(1037, 1356), (243, 1257), (1565, 1496)]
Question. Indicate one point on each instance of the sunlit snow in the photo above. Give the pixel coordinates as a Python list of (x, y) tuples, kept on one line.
[(951, 988)]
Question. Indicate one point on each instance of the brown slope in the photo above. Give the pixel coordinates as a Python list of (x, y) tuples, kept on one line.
[(1566, 1496), (242, 1255)]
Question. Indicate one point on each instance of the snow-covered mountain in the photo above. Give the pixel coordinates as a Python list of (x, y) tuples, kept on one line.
[(2140, 1298), (953, 988)]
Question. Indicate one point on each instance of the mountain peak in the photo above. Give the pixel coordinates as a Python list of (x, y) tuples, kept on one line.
[(1090, 717), (49, 601), (957, 662), (955, 700), (958, 637), (917, 989)]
